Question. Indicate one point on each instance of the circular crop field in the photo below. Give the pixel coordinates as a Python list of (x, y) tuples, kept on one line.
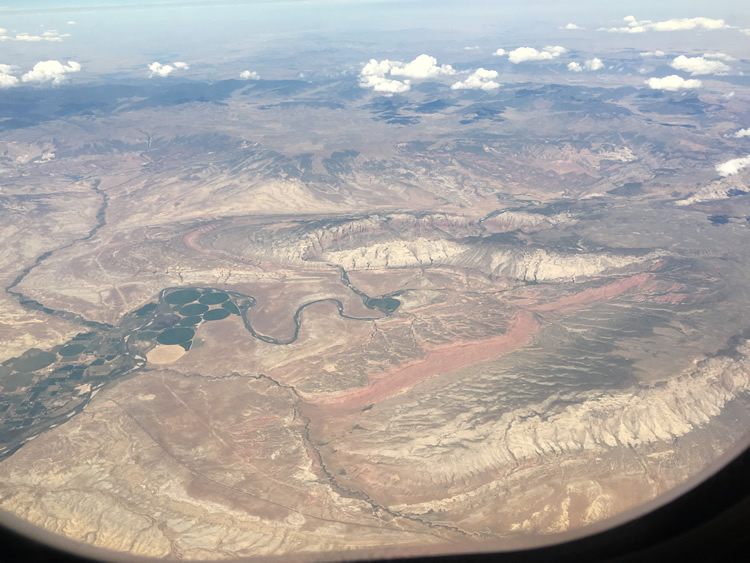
[(182, 296), (176, 335), (231, 307), (33, 360), (190, 321), (213, 298), (193, 309), (215, 315)]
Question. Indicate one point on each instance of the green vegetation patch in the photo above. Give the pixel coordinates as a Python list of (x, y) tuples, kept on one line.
[(231, 307), (34, 359), (16, 380), (190, 321), (176, 335), (71, 350), (385, 304), (182, 296), (215, 315), (145, 310), (193, 309), (213, 298)]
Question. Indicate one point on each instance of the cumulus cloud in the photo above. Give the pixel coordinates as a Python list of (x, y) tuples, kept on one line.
[(50, 35), (734, 166), (375, 74), (742, 133), (7, 80), (590, 64), (499, 53), (593, 64), (158, 69), (672, 83), (385, 85), (424, 66), (525, 54), (573, 26), (480, 79), (162, 70), (27, 37), (53, 72), (472, 48), (248, 75), (675, 24), (720, 56), (698, 65), (652, 54)]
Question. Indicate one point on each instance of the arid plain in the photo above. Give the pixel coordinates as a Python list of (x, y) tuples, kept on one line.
[(235, 326)]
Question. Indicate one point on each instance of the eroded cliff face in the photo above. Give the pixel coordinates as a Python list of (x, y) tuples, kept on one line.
[(401, 241), (475, 441)]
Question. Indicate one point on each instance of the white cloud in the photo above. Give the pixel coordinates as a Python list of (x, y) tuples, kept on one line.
[(675, 24), (524, 54), (472, 48), (248, 75), (652, 54), (424, 66), (480, 79), (71, 22), (731, 167), (593, 64), (499, 53), (375, 73), (50, 71), (383, 84), (7, 80), (698, 65), (745, 31), (720, 56), (672, 83), (742, 133), (683, 24), (158, 69), (50, 35), (27, 37), (590, 64), (573, 26)]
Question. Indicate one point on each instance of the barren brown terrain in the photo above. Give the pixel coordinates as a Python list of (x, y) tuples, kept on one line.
[(285, 317)]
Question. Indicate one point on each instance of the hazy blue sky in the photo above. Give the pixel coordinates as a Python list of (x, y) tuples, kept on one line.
[(117, 35)]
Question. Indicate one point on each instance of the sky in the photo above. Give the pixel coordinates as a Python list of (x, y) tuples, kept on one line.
[(121, 36)]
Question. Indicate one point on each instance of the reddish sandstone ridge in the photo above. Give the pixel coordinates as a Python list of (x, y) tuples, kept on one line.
[(643, 282), (436, 361), (456, 356), (191, 239)]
